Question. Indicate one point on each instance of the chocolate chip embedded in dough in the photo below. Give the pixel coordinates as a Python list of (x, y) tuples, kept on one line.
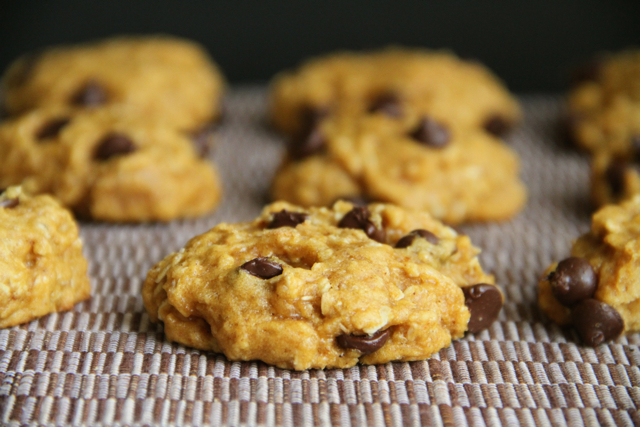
[(573, 280), (310, 117), (307, 143), (431, 133), (9, 203), (497, 125), (407, 240), (52, 128), (387, 103), (358, 218), (114, 144), (203, 139), (284, 218), (366, 344), (484, 301), (90, 95), (596, 321), (615, 177), (263, 268)]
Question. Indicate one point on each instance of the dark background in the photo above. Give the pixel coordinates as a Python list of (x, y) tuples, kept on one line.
[(530, 44)]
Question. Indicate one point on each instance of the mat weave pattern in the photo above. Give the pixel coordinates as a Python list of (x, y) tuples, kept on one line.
[(105, 363)]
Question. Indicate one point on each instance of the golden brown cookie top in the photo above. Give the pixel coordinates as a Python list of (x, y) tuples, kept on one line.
[(386, 82), (169, 79)]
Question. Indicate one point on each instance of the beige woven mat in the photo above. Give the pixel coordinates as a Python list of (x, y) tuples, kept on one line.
[(105, 363)]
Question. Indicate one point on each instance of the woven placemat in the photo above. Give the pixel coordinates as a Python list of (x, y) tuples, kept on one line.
[(105, 363)]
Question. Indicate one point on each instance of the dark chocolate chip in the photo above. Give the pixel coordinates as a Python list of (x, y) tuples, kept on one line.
[(407, 240), (310, 117), (203, 139), (587, 72), (9, 203), (484, 301), (596, 321), (431, 133), (388, 104), (366, 344), (497, 125), (263, 268), (307, 143), (114, 144), (573, 281), (90, 95), (615, 177), (284, 218), (52, 128), (358, 218)]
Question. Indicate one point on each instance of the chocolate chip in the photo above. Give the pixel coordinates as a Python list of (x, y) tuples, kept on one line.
[(366, 344), (587, 72), (284, 218), (388, 104), (114, 144), (90, 95), (310, 117), (9, 203), (307, 143), (203, 139), (573, 281), (358, 218), (615, 177), (52, 128), (407, 240), (497, 125), (484, 301), (431, 133), (263, 268), (596, 321)]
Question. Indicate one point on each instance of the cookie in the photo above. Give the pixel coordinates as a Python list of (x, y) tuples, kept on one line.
[(436, 83), (168, 79), (596, 289), (613, 178), (456, 174), (42, 269), (320, 288), (107, 163), (604, 106)]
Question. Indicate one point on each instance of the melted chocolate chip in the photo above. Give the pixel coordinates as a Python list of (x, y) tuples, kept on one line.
[(596, 321), (90, 95), (484, 301), (587, 72), (52, 128), (431, 133), (307, 143), (358, 218), (407, 240), (203, 139), (497, 125), (284, 218), (388, 104), (573, 281), (366, 344), (9, 203), (263, 268), (114, 144), (615, 177)]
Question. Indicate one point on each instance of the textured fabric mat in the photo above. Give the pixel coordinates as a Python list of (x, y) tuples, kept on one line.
[(105, 363)]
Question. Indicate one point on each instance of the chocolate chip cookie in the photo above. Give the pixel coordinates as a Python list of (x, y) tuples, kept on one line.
[(604, 105), (42, 269), (387, 82), (107, 163), (457, 174), (168, 79), (323, 287), (596, 290)]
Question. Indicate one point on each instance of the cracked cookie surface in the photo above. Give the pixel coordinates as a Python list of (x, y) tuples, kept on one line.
[(167, 79), (318, 288), (108, 164), (42, 269)]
